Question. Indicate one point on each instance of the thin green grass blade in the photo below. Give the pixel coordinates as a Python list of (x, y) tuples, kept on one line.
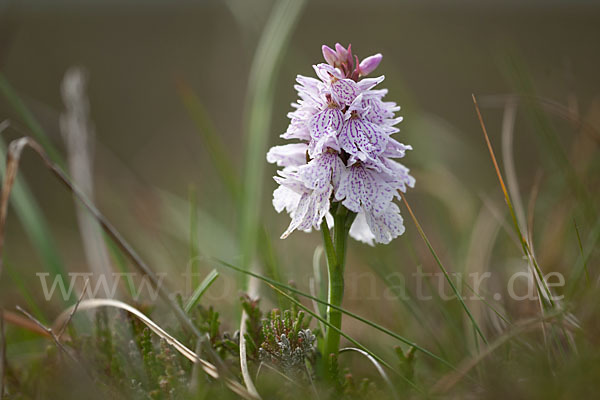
[(443, 269), (490, 306), (34, 222), (120, 261), (549, 139), (29, 119), (211, 139), (543, 290), (580, 266), (200, 290), (584, 260), (445, 308), (194, 262), (344, 311), (410, 306), (259, 106), (270, 260), (18, 281)]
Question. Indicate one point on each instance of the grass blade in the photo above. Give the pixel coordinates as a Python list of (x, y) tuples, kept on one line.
[(584, 262), (29, 119), (2, 353), (33, 220), (18, 282), (548, 135), (259, 106), (200, 290), (380, 370), (443, 269), (543, 290), (194, 262), (252, 291), (215, 147), (79, 137)]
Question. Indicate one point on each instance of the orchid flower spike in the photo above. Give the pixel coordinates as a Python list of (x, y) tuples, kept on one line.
[(343, 151)]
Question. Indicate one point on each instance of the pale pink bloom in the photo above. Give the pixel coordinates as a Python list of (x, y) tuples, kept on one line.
[(344, 151)]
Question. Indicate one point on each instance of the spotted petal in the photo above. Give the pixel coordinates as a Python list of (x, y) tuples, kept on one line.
[(395, 149), (312, 208), (323, 172), (345, 91), (387, 226), (361, 136), (361, 187)]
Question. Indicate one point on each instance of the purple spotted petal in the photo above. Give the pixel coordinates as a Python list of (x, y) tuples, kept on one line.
[(345, 91), (395, 149), (325, 72), (387, 226), (288, 177), (322, 172), (311, 209), (358, 135), (361, 187), (329, 141), (397, 175), (324, 122)]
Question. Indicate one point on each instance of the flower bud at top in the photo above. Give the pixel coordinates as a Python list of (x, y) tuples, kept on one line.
[(341, 51), (329, 55), (369, 64)]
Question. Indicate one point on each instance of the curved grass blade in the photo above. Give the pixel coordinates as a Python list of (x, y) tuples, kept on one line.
[(209, 368), (377, 367), (32, 218), (247, 378)]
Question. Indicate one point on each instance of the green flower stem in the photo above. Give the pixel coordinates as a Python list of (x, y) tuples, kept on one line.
[(336, 260)]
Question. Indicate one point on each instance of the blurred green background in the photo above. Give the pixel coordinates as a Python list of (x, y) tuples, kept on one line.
[(436, 54)]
